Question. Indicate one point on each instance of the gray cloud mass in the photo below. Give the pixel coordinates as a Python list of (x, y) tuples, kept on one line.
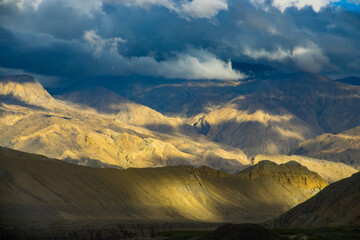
[(195, 39)]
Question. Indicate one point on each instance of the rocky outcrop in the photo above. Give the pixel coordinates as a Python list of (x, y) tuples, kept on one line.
[(202, 126), (289, 173), (330, 171)]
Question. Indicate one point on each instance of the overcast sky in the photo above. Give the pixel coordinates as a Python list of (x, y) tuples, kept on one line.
[(69, 40)]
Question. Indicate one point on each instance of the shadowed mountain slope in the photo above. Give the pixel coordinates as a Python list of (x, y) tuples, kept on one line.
[(108, 102), (176, 97), (255, 128), (350, 80), (34, 187), (336, 205), (270, 115), (276, 114)]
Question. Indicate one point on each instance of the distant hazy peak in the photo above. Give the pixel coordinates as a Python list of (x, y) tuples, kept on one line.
[(350, 80)]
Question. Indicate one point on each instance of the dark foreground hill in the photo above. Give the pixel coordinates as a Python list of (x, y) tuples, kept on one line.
[(35, 188), (336, 205)]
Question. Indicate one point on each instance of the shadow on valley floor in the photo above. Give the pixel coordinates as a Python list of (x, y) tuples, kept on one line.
[(170, 231), (257, 232)]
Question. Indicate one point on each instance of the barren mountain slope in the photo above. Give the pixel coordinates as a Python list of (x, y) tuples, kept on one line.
[(255, 128), (64, 131), (177, 97), (336, 205), (183, 98), (25, 90), (274, 115), (330, 171), (271, 115), (108, 102), (34, 187), (325, 105), (343, 147)]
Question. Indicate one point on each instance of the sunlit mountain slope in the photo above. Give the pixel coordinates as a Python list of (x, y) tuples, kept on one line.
[(343, 147), (61, 130), (34, 187)]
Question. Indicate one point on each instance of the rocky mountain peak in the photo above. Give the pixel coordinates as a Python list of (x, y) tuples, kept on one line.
[(24, 90)]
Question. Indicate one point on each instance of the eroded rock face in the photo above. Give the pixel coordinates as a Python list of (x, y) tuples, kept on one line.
[(289, 173), (329, 170), (202, 126)]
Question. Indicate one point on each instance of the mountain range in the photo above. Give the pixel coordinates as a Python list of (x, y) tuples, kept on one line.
[(258, 116), (68, 131), (154, 150)]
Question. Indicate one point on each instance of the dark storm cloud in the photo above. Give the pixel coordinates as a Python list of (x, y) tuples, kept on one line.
[(192, 40)]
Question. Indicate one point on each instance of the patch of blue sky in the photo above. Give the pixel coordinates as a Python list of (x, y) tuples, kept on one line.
[(349, 5)]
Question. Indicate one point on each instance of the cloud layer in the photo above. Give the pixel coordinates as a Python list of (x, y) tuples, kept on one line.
[(177, 39)]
